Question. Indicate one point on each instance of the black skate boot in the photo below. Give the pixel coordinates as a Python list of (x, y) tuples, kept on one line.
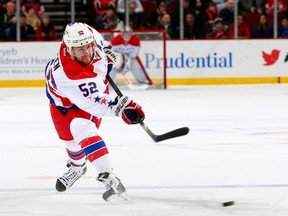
[(71, 176)]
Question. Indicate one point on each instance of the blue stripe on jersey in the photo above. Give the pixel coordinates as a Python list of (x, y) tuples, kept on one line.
[(47, 66), (94, 147), (49, 96), (59, 107)]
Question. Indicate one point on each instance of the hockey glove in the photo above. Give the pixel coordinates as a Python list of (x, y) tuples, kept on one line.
[(130, 111), (111, 58)]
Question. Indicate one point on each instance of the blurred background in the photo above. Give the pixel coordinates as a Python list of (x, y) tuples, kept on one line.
[(198, 41), (182, 19)]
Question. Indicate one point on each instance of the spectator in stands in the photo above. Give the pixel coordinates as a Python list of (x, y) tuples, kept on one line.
[(283, 28), (8, 19), (219, 32), (227, 14), (108, 21), (2, 20), (192, 30), (46, 31), (32, 19), (136, 7), (101, 6), (136, 16), (220, 4), (262, 30), (243, 29), (187, 8), (167, 1), (281, 4), (121, 6), (168, 26), (212, 13), (157, 15), (251, 6), (200, 13), (36, 4), (26, 31)]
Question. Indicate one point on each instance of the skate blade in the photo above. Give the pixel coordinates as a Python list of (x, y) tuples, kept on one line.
[(118, 198)]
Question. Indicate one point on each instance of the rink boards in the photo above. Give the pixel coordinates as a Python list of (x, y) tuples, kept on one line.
[(188, 62)]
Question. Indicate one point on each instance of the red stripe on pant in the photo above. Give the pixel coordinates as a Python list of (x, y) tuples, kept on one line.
[(94, 148)]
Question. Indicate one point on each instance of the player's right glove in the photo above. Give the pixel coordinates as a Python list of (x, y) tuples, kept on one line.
[(130, 111)]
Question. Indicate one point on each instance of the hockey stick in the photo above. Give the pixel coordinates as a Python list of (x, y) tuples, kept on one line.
[(157, 138)]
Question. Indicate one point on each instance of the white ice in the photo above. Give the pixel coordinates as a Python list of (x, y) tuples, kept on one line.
[(237, 149)]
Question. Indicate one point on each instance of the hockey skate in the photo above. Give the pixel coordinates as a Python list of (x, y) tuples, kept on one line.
[(115, 191), (71, 176)]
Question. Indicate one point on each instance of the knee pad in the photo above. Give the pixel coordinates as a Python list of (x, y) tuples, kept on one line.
[(82, 128), (85, 134)]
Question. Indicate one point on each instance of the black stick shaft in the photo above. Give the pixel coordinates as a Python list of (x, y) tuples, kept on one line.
[(157, 138), (119, 93), (114, 86)]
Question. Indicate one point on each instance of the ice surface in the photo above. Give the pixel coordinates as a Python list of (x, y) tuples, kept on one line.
[(236, 150)]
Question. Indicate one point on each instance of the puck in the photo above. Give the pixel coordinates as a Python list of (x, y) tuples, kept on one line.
[(226, 204)]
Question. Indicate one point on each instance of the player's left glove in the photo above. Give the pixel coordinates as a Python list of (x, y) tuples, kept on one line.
[(130, 111), (111, 58)]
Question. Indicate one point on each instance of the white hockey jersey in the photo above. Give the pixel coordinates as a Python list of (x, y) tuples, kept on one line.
[(129, 48), (70, 85)]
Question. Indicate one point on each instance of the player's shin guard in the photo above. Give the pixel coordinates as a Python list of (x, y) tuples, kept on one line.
[(71, 176), (96, 152), (115, 191), (75, 152), (94, 148)]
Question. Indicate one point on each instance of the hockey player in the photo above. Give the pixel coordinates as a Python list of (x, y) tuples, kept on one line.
[(77, 88), (127, 47)]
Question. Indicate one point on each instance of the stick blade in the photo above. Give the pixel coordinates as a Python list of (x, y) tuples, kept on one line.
[(172, 134)]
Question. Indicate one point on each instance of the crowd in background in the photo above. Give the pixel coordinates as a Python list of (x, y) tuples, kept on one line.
[(34, 23), (211, 19)]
